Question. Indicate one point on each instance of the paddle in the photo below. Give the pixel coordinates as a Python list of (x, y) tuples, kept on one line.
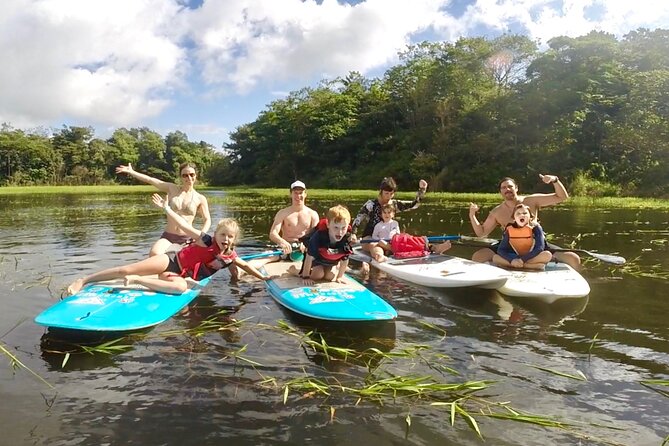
[(608, 258), (256, 245), (442, 238), (261, 255)]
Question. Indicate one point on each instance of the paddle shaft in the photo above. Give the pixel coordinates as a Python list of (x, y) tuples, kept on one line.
[(261, 255), (436, 238), (607, 258)]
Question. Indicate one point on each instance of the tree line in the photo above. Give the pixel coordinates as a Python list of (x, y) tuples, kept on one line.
[(592, 109)]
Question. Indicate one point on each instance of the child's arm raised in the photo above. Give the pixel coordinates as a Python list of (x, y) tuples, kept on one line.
[(178, 219)]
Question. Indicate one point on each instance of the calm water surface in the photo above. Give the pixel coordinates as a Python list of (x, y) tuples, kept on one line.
[(225, 386)]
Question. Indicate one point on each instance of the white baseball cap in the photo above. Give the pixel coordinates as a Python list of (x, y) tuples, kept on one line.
[(297, 183)]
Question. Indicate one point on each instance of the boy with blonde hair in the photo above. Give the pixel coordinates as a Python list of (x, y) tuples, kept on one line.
[(328, 246)]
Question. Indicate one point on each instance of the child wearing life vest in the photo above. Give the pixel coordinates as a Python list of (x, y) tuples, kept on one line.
[(327, 247), (177, 270), (392, 241), (523, 244), (385, 229)]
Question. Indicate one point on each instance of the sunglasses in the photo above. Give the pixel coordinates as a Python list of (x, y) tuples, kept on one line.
[(186, 175)]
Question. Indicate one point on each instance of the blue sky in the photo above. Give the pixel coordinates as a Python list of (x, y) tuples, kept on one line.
[(205, 67)]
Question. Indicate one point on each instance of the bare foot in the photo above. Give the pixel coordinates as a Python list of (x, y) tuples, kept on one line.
[(75, 287), (130, 279), (442, 247)]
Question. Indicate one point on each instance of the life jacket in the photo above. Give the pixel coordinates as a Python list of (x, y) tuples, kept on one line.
[(405, 246), (520, 239), (331, 254), (199, 262)]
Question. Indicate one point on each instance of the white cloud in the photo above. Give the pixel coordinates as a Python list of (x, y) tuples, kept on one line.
[(120, 62), (241, 43), (99, 62)]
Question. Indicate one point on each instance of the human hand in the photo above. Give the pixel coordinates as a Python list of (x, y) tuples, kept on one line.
[(307, 281), (340, 280), (285, 247), (422, 185), (548, 178), (159, 201), (517, 263), (473, 208), (353, 239), (124, 169)]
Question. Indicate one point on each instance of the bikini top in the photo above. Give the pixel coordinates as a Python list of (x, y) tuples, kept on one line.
[(184, 203)]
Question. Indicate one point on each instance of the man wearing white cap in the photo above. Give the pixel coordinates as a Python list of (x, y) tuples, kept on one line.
[(293, 222)]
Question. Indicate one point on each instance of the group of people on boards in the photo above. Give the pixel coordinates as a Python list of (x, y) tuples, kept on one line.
[(324, 243)]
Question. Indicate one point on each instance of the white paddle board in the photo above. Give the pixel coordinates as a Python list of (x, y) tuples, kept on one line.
[(439, 271), (557, 281)]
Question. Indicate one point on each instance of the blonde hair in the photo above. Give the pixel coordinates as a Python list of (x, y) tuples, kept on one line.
[(231, 226), (338, 213)]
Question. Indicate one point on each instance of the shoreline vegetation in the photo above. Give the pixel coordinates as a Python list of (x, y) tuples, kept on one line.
[(238, 192)]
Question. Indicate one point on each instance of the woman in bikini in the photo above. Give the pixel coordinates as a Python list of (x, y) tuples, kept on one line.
[(184, 200), (177, 271)]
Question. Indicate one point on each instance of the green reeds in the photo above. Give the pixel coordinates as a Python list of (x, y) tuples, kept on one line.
[(16, 364)]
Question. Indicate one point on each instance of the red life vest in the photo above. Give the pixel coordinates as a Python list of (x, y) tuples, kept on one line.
[(405, 246), (199, 262), (342, 249)]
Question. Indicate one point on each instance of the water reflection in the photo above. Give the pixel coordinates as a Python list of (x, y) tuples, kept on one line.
[(226, 383)]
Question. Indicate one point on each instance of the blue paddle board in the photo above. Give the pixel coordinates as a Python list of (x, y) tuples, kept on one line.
[(112, 307), (349, 301)]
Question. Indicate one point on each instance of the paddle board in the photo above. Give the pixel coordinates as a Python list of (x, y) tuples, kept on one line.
[(112, 307), (349, 301), (557, 281), (439, 271)]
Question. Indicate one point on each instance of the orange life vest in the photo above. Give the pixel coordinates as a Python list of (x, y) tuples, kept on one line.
[(521, 239)]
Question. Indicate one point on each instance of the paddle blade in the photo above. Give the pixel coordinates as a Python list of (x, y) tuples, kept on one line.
[(608, 258)]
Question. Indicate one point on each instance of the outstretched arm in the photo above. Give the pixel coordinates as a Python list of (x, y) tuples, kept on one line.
[(246, 266), (178, 219), (155, 182)]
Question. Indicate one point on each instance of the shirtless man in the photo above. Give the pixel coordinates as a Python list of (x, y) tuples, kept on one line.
[(502, 215), (293, 222)]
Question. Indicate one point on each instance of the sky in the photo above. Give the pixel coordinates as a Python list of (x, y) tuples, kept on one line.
[(205, 67)]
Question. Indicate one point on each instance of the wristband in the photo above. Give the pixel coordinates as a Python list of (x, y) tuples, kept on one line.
[(555, 180)]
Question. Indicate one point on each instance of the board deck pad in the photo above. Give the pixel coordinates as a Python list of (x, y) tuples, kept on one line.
[(439, 271), (557, 281), (112, 307), (349, 301)]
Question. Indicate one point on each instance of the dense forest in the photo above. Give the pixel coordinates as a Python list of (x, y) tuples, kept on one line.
[(593, 110)]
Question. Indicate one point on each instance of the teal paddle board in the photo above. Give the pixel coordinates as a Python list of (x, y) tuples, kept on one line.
[(111, 307), (333, 301)]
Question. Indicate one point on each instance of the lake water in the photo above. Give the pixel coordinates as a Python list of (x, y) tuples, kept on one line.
[(182, 384)]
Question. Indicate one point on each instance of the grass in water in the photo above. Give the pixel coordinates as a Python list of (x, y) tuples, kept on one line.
[(16, 364)]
